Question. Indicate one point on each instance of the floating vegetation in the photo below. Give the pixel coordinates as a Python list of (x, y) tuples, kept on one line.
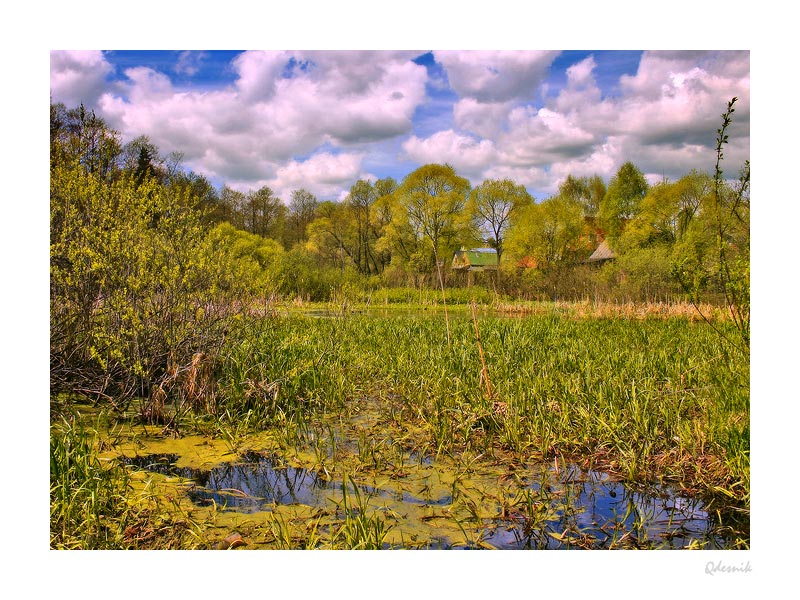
[(433, 507)]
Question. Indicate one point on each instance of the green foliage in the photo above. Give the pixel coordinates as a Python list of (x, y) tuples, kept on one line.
[(79, 136), (643, 274), (433, 201), (714, 254), (586, 191), (138, 284), (299, 274), (92, 503), (85, 498), (667, 212), (303, 207), (552, 233), (257, 258), (495, 203), (622, 200)]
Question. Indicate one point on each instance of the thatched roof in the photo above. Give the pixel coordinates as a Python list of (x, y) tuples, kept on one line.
[(603, 252)]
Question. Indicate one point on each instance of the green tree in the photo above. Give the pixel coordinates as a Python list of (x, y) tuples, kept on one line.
[(552, 233), (334, 237), (586, 191), (553, 237), (81, 137), (359, 203), (302, 210), (133, 298), (194, 185), (433, 199), (141, 157), (495, 203), (622, 201), (264, 213), (714, 254), (234, 204), (667, 211)]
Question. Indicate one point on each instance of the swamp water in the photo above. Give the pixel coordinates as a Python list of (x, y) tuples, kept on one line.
[(423, 505)]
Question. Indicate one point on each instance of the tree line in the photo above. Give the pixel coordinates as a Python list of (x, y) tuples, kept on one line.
[(395, 233)]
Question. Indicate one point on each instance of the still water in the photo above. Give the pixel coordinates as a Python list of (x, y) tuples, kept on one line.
[(565, 508)]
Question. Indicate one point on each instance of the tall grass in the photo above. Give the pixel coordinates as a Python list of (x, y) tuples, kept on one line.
[(87, 500), (652, 397)]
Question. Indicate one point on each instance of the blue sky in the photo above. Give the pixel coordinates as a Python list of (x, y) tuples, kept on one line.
[(321, 120)]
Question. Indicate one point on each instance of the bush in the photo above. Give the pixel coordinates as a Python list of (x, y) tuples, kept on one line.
[(140, 288)]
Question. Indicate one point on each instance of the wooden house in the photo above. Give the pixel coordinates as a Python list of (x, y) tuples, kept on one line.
[(476, 260)]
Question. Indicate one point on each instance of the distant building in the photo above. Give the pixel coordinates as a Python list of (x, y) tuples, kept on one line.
[(476, 260), (602, 254)]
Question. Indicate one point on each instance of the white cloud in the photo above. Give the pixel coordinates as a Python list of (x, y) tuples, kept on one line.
[(259, 73), (282, 105), (581, 90), (309, 119), (189, 62), (78, 76), (495, 76), (678, 97), (467, 155), (485, 119), (324, 175), (543, 136), (533, 178)]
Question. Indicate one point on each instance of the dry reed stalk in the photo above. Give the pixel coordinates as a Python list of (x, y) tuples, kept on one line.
[(626, 310), (484, 370), (197, 386), (444, 299)]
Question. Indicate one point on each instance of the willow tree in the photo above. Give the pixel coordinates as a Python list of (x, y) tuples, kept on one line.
[(434, 200), (495, 202), (140, 287), (586, 191)]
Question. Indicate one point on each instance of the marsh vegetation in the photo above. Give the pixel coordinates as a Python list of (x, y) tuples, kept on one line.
[(372, 442)]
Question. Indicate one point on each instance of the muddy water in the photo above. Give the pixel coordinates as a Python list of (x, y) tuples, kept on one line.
[(430, 506)]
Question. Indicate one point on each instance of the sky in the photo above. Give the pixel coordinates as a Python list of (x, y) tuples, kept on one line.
[(322, 119)]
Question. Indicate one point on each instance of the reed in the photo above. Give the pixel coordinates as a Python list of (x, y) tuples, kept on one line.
[(635, 390)]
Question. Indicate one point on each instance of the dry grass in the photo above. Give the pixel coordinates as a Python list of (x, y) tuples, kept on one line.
[(615, 310)]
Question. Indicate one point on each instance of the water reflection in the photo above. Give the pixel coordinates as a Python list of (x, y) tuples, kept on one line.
[(572, 508), (591, 510)]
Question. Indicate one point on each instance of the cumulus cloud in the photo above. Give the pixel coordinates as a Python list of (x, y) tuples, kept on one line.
[(467, 155), (484, 119), (543, 136), (78, 76), (259, 73), (495, 76), (670, 109), (281, 105), (189, 62), (663, 118), (324, 175)]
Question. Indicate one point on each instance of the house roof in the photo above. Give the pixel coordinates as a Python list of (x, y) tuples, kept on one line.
[(603, 252), (476, 257)]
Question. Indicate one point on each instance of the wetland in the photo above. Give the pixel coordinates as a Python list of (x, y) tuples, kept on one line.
[(368, 430)]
